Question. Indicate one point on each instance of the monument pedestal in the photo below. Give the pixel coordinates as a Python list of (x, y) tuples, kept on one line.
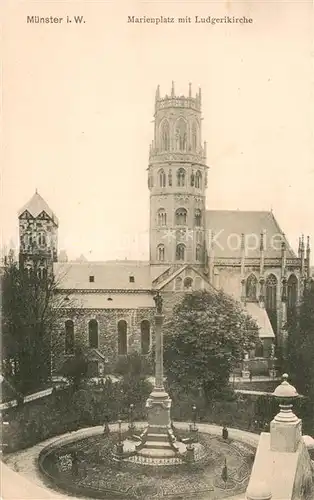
[(159, 441)]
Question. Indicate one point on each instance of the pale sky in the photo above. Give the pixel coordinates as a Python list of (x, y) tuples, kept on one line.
[(78, 103)]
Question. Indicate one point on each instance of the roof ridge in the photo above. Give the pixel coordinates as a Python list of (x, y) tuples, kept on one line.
[(238, 211)]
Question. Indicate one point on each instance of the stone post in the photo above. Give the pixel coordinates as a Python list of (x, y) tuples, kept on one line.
[(286, 427)]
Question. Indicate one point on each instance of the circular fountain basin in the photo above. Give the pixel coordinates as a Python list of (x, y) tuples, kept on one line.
[(96, 474)]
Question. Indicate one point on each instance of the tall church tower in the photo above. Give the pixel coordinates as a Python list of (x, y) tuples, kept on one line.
[(38, 228), (177, 180)]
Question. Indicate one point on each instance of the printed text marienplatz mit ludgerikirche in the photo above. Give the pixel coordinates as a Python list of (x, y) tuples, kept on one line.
[(190, 20)]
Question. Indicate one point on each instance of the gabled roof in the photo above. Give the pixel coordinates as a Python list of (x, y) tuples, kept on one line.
[(228, 225), (179, 271), (35, 206), (106, 275)]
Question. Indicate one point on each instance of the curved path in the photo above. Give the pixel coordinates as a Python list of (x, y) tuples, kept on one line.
[(27, 482)]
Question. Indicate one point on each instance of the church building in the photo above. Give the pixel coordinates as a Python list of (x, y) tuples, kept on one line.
[(244, 253)]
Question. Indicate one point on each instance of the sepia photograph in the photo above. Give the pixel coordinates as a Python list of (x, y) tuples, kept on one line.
[(157, 250)]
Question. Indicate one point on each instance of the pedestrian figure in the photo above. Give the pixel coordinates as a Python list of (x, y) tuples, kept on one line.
[(106, 426), (225, 433), (251, 376)]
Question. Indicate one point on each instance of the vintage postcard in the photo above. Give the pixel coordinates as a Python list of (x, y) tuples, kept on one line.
[(157, 239)]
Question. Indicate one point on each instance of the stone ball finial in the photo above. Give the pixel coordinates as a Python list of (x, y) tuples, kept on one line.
[(285, 390), (258, 490)]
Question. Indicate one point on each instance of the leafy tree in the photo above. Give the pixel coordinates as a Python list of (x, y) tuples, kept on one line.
[(75, 368), (133, 365), (300, 346), (207, 334), (31, 309)]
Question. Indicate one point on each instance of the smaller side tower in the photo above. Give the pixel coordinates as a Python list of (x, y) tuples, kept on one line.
[(38, 231)]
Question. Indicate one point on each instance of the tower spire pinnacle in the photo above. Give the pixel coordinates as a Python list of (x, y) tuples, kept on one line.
[(172, 89), (157, 95)]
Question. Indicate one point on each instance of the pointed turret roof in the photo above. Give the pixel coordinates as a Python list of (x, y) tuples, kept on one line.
[(36, 205)]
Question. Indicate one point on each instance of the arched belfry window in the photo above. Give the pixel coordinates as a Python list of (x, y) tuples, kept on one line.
[(145, 336), (122, 337), (181, 216), (69, 337), (198, 253), (194, 136), (181, 135), (161, 217), (165, 136), (198, 179), (93, 333), (41, 239), (198, 217), (161, 253), (180, 252), (181, 177), (271, 300), (292, 293), (162, 178), (251, 288)]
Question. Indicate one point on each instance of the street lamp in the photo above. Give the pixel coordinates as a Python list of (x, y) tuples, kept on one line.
[(194, 416), (131, 417)]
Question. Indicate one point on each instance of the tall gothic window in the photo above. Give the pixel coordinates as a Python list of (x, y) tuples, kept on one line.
[(194, 136), (161, 253), (165, 136), (170, 178), (198, 217), (122, 337), (271, 300), (161, 217), (93, 333), (145, 336), (198, 179), (251, 288), (180, 252), (292, 295), (162, 178), (69, 337), (181, 216), (181, 135), (181, 177), (198, 252)]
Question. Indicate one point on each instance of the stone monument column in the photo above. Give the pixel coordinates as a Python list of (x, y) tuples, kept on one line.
[(158, 403)]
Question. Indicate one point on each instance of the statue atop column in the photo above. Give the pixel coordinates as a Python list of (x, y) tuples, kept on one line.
[(158, 301)]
